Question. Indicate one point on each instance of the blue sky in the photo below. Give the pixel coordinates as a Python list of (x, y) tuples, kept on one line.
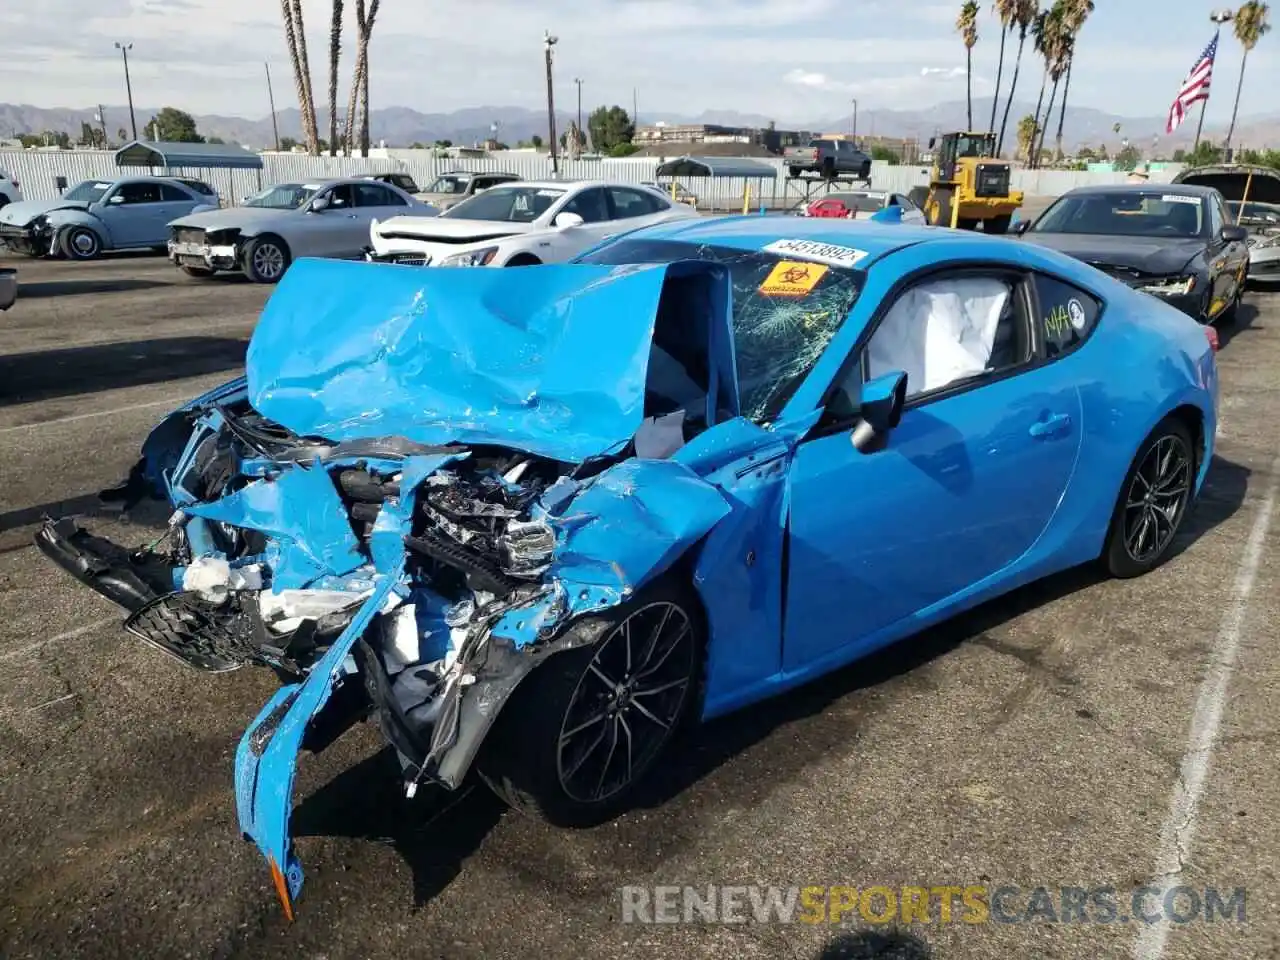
[(797, 61)]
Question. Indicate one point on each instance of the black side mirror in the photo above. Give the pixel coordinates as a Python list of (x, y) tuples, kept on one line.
[(1234, 233), (880, 404), (1021, 227)]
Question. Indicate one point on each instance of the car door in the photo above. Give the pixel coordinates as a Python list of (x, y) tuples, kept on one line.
[(135, 214), (968, 480), (592, 205), (1228, 259), (177, 202), (373, 201), (329, 232)]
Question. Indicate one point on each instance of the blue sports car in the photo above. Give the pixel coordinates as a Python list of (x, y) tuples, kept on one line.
[(533, 521)]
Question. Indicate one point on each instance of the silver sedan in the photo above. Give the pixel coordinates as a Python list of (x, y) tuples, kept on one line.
[(290, 220)]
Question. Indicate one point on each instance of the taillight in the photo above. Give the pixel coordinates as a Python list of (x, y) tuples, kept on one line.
[(1212, 334)]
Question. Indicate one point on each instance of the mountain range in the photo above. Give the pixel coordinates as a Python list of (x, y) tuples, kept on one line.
[(401, 126)]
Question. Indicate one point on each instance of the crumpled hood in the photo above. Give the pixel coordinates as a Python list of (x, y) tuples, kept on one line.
[(550, 361), (244, 218), (1152, 255), (24, 211)]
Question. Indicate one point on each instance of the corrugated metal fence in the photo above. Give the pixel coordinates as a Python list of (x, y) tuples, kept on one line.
[(38, 170)]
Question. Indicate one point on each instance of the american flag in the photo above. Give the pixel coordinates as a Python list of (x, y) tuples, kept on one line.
[(1195, 88)]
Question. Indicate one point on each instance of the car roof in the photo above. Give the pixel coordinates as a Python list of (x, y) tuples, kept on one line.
[(1185, 189), (754, 232)]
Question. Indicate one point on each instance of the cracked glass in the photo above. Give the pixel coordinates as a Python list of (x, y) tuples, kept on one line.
[(778, 337)]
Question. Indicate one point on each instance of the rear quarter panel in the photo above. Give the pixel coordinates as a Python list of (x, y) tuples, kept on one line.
[(1144, 361)]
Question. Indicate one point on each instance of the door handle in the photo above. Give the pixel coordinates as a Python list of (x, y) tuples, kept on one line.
[(1050, 425)]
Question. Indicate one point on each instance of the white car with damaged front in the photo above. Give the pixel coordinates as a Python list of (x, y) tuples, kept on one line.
[(522, 224)]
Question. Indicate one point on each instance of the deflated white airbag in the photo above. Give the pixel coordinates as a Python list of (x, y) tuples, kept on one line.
[(939, 331)]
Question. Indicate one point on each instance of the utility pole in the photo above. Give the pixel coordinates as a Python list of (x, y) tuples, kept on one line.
[(855, 121), (549, 41), (579, 139), (124, 49), (102, 122), (635, 109), (271, 99)]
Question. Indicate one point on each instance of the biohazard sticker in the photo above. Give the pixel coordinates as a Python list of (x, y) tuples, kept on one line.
[(792, 278)]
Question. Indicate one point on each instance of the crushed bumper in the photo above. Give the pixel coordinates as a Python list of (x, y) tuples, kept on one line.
[(122, 576), (210, 256)]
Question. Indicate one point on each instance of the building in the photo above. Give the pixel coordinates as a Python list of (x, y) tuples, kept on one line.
[(772, 139)]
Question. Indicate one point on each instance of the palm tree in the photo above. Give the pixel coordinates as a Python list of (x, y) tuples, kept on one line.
[(1024, 15), (296, 41), (1041, 39), (1056, 48), (967, 27), (360, 78), (1005, 10), (1077, 12), (335, 52), (1026, 135), (1250, 26)]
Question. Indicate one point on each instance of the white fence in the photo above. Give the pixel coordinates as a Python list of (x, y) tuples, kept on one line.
[(38, 170)]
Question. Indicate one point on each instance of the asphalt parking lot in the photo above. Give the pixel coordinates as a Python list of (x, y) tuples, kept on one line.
[(1080, 733)]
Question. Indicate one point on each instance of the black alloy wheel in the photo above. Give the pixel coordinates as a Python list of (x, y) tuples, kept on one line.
[(626, 703), (1154, 501)]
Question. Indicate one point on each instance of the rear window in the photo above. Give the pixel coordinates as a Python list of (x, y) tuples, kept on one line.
[(199, 186), (778, 333)]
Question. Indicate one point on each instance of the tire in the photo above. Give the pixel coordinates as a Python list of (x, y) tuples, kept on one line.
[(919, 196), (864, 172), (966, 224), (943, 201), (998, 225), (793, 172), (828, 169), (81, 243), (543, 757), (1232, 313), (524, 260), (266, 258), (1151, 472), (201, 273)]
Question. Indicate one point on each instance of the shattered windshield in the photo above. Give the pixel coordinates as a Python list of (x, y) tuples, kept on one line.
[(91, 191), (779, 333), (283, 196), (510, 204)]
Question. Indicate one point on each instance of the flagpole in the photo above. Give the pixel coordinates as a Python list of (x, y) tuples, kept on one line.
[(1204, 104), (1200, 126)]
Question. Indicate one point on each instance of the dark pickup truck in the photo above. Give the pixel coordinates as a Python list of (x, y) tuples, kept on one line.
[(829, 158)]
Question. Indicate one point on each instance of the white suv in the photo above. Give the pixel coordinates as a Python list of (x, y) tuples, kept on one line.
[(9, 192)]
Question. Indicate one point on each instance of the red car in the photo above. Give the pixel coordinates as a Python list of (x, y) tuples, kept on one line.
[(861, 204)]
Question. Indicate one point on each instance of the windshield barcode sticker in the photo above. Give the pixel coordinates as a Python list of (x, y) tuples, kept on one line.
[(1178, 198), (822, 252)]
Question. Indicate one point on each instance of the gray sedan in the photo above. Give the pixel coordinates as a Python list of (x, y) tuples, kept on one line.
[(290, 220), (1262, 220)]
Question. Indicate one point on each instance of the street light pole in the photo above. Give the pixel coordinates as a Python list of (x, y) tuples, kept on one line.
[(579, 138), (855, 121), (124, 49), (549, 41), (1219, 17), (271, 99)]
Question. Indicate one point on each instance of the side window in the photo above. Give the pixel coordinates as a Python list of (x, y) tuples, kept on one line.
[(341, 196), (1216, 217), (632, 203), (591, 205), (1067, 314), (171, 194), (139, 192), (951, 328), (375, 195)]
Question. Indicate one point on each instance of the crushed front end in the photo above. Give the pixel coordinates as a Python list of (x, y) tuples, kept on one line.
[(408, 510)]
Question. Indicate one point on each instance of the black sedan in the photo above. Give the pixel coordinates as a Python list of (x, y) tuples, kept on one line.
[(1175, 242)]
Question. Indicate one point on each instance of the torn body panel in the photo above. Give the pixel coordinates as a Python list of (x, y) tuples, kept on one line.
[(411, 527)]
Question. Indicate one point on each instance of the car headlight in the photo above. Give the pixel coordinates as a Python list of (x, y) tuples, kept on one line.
[(472, 258), (40, 224), (1179, 287)]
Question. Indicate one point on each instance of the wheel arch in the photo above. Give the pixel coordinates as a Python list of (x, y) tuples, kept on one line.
[(523, 258)]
